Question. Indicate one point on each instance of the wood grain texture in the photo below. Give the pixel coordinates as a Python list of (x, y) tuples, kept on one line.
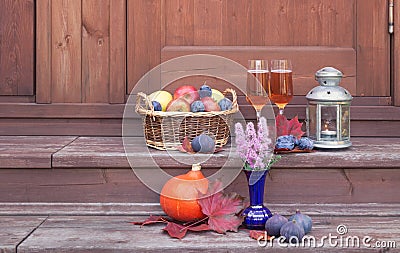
[(144, 36), (118, 19), (95, 51), (17, 47), (43, 51), (107, 234), (30, 152), (66, 51), (208, 22), (179, 22), (373, 71), (15, 229)]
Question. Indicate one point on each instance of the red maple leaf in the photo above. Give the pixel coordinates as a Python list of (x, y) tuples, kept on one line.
[(179, 231), (288, 127), (221, 209)]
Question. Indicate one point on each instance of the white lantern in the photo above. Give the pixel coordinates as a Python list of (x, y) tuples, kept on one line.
[(328, 111)]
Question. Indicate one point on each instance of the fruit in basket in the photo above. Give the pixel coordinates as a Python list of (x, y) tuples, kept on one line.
[(178, 105), (197, 106), (190, 97), (203, 144), (162, 97), (179, 92), (210, 105), (225, 104), (157, 106), (179, 195), (205, 91), (217, 95)]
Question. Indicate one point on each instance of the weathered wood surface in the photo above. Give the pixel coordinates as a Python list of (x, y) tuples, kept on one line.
[(30, 151), (145, 209), (109, 234), (14, 230), (105, 152)]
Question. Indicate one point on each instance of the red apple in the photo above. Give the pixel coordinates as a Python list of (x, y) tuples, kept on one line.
[(178, 105), (191, 96), (183, 90), (210, 105)]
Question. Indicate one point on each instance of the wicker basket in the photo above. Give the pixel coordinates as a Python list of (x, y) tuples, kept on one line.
[(166, 130)]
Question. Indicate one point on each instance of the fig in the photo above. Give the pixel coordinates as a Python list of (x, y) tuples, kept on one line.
[(225, 104), (303, 220), (205, 91), (292, 231), (156, 105), (274, 224)]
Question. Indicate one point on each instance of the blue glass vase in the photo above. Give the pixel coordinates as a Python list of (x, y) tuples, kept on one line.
[(256, 214)]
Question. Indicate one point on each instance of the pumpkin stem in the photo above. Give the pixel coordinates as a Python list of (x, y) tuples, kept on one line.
[(196, 167)]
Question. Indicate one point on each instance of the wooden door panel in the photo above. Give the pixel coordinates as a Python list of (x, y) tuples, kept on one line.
[(305, 61), (16, 47)]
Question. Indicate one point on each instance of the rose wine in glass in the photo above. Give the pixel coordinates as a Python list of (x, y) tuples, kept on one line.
[(257, 84), (280, 89)]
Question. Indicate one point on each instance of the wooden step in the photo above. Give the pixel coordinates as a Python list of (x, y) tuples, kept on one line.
[(95, 169), (94, 232)]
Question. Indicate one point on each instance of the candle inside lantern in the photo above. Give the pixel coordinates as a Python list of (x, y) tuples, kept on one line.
[(327, 132)]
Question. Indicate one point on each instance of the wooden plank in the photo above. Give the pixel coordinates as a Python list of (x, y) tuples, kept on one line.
[(15, 229), (144, 47), (85, 127), (95, 51), (108, 152), (236, 23), (17, 47), (66, 51), (306, 60), (207, 22), (395, 52), (179, 22), (99, 234), (118, 25), (373, 76), (43, 51), (30, 152), (17, 99), (144, 209)]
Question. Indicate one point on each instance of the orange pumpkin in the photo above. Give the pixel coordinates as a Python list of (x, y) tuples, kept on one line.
[(179, 195)]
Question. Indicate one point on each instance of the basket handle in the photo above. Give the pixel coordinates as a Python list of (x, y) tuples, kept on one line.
[(234, 97), (143, 97)]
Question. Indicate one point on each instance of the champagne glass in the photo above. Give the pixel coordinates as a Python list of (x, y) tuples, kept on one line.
[(280, 88), (257, 84)]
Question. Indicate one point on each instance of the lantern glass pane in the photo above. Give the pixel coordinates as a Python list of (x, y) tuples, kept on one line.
[(345, 122), (329, 122), (312, 122)]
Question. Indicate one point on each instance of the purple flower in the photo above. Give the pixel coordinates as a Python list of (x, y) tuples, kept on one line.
[(253, 146)]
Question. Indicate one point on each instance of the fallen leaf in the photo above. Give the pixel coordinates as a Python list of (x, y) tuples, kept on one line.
[(222, 209), (179, 231), (259, 235), (151, 220), (288, 127)]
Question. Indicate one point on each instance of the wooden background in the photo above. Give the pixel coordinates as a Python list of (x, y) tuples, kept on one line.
[(73, 62)]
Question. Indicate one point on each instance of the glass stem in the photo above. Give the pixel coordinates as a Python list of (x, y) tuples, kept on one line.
[(258, 115)]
